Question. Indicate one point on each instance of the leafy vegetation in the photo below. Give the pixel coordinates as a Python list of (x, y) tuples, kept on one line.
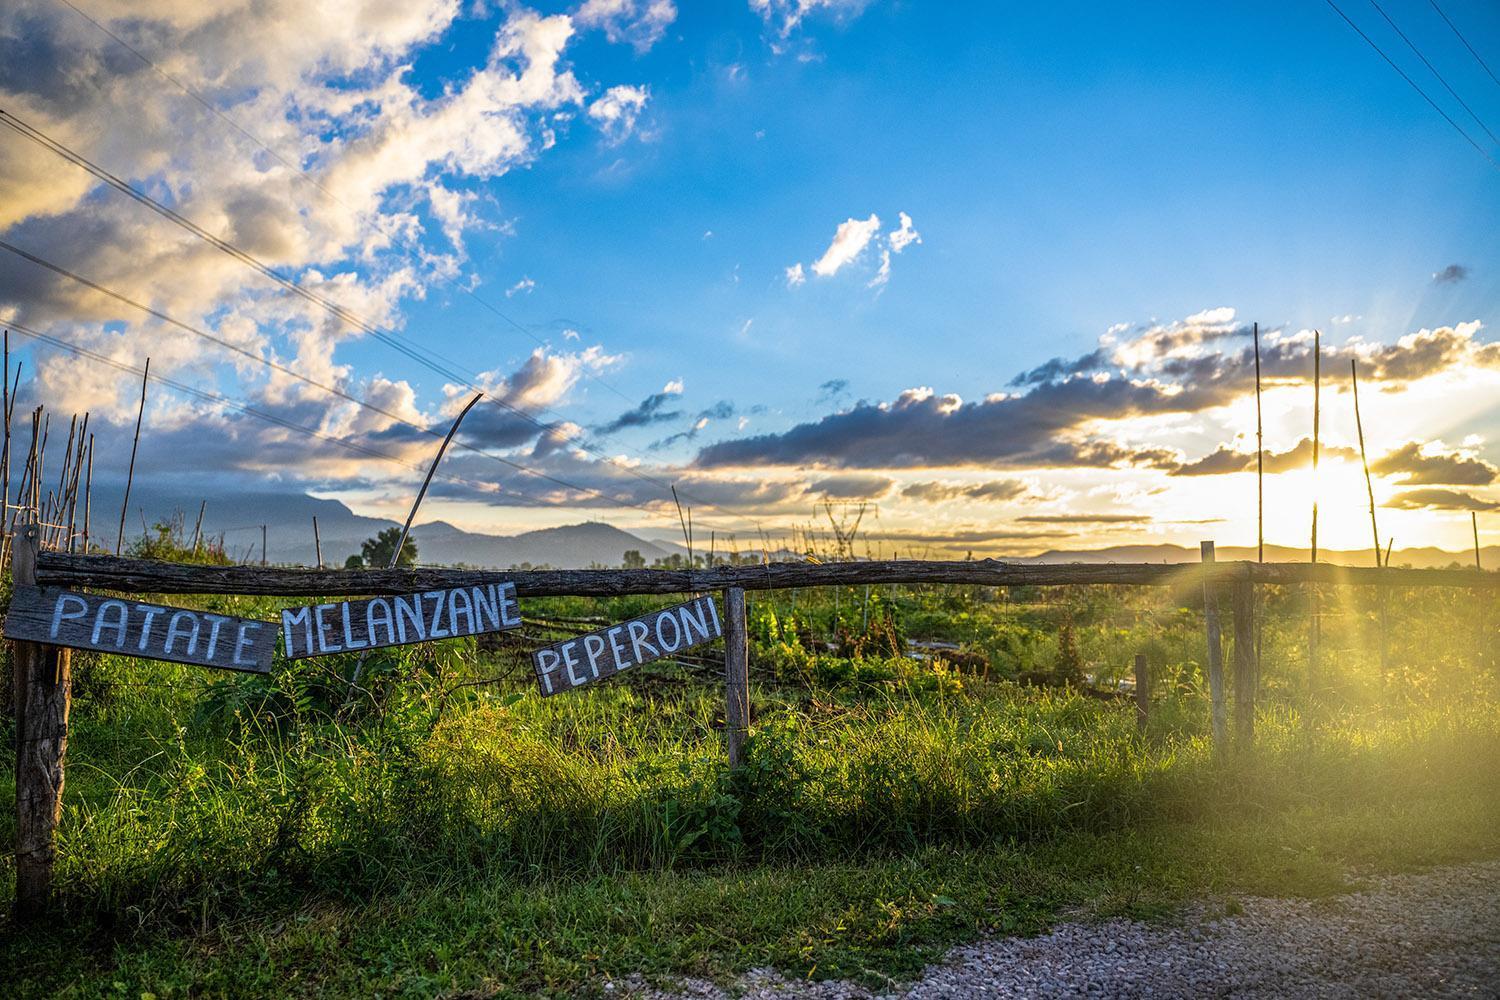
[(421, 821)]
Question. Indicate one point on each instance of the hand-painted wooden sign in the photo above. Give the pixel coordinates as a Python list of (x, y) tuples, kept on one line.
[(137, 628), (582, 659), (349, 626)]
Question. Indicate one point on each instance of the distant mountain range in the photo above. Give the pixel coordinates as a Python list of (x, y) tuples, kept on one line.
[(289, 537), (289, 533)]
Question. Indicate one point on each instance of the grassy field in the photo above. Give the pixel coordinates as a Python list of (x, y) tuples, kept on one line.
[(422, 833)]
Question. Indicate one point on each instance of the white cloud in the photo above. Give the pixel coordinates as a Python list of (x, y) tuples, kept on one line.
[(785, 15), (524, 285), (849, 241), (795, 276), (642, 23), (673, 388), (905, 236), (617, 111)]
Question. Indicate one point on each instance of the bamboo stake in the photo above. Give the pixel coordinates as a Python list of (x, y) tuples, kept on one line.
[(198, 526), (134, 444), (88, 494), (1360, 427), (406, 529), (5, 452), (1260, 461), (1315, 627)]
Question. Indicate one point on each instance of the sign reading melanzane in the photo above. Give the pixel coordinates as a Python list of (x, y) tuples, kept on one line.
[(139, 628), (582, 659), (350, 626)]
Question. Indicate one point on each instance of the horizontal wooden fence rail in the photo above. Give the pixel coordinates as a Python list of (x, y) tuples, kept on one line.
[(61, 569)]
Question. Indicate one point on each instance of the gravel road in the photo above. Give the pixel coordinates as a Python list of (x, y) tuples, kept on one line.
[(1435, 934)]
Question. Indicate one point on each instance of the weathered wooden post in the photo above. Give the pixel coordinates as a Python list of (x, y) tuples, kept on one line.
[(1215, 646), (1142, 691), (736, 675), (44, 687), (1243, 602)]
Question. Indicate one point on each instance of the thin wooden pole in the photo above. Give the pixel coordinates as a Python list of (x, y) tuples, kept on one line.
[(44, 682), (736, 675), (1474, 523), (5, 453), (317, 542), (1260, 461), (1243, 603), (1315, 597), (134, 444), (1215, 650), (198, 526), (262, 544), (1142, 692), (1360, 427), (406, 528), (88, 494)]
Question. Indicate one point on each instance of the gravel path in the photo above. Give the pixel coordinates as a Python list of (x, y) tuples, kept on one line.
[(1435, 934)]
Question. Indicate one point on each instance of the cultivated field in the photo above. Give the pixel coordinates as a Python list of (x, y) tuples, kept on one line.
[(439, 827)]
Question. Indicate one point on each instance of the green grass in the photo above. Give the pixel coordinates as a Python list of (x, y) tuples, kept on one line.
[(244, 837)]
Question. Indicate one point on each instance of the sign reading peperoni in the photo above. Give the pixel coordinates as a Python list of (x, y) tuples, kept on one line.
[(350, 626), (139, 628), (574, 662)]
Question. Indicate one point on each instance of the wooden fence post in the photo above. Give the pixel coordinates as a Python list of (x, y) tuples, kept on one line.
[(736, 675), (1243, 601), (1142, 691), (1215, 648), (44, 691)]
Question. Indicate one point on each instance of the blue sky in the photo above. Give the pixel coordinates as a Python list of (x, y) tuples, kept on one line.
[(1151, 174)]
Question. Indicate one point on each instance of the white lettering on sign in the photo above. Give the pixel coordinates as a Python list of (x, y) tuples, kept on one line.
[(134, 628), (397, 621), (583, 659)]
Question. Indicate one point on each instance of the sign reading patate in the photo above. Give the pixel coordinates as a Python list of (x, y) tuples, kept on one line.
[(137, 628), (582, 659), (349, 626)]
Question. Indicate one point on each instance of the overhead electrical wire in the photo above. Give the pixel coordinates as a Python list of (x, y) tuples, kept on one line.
[(391, 339), (1414, 85), (324, 387), (1477, 58), (1433, 69), (396, 236), (218, 399)]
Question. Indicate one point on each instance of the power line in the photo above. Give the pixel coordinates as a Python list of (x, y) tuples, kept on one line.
[(1418, 52), (1461, 38), (1413, 84), (333, 390), (213, 397), (391, 339)]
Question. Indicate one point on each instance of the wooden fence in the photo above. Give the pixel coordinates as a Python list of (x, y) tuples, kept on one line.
[(42, 692)]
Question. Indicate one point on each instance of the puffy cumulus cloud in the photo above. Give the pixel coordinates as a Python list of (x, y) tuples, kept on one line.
[(360, 165), (1073, 410), (795, 275), (783, 16), (1437, 499), (1420, 465), (849, 241), (617, 111), (641, 23)]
